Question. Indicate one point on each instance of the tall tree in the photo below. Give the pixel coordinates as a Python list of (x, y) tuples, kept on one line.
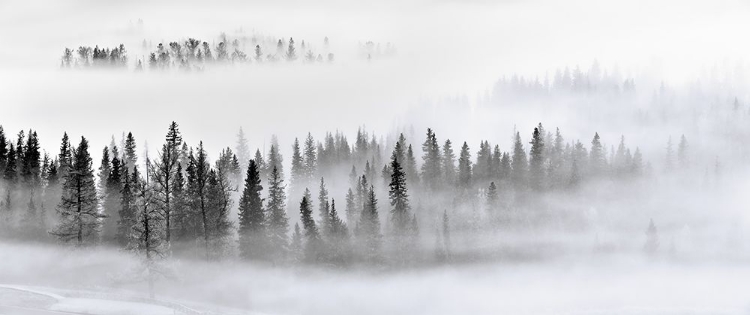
[(683, 158), (79, 218), (597, 160), (369, 228), (278, 223), (323, 206), (464, 167), (432, 160), (313, 242), (163, 172), (399, 197), (536, 161), (242, 149), (519, 164), (449, 163), (252, 219)]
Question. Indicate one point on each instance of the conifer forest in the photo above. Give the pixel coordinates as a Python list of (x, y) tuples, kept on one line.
[(424, 157)]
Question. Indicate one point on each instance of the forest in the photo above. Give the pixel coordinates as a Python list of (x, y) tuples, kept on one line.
[(240, 206)]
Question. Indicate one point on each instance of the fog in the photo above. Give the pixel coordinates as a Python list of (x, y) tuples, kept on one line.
[(664, 233)]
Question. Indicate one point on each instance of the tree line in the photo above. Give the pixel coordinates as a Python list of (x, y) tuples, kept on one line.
[(192, 54), (180, 202)]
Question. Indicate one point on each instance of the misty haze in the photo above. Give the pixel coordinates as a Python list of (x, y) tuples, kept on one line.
[(388, 157)]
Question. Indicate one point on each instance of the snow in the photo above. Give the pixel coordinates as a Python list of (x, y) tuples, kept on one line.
[(109, 307)]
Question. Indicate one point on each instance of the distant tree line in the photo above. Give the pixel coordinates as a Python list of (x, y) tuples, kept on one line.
[(182, 203), (193, 54)]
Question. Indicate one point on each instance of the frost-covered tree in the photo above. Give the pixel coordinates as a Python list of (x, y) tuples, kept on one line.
[(79, 216)]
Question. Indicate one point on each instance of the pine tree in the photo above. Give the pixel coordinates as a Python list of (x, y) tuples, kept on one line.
[(410, 166), (278, 223), (313, 242), (64, 157), (295, 248), (338, 236), (128, 211), (323, 207), (242, 149), (519, 165), (299, 178), (3, 149), (399, 200), (352, 214), (464, 167), (369, 228), (432, 160), (148, 231), (79, 218), (112, 182), (291, 53), (274, 158), (10, 175), (163, 172), (252, 219), (636, 167), (217, 212), (536, 161), (449, 163), (597, 161), (492, 196), (310, 161)]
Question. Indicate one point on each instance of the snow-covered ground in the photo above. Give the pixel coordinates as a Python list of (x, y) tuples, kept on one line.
[(28, 300)]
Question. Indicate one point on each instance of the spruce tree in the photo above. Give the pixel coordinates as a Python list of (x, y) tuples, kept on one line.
[(131, 156), (299, 177), (536, 161), (313, 242), (410, 166), (323, 207), (3, 149), (242, 149), (352, 215), (398, 194), (252, 219), (652, 239), (597, 160), (519, 164), (432, 160), (310, 160), (464, 167), (278, 223), (369, 228), (449, 163), (295, 248), (79, 218), (492, 197)]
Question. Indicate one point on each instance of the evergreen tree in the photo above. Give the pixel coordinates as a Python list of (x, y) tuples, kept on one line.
[(127, 215), (313, 242), (163, 174), (295, 248), (446, 234), (79, 218), (432, 160), (310, 161), (410, 166), (464, 167), (278, 223), (536, 161), (299, 178), (448, 163), (10, 175), (65, 156), (242, 149), (323, 207), (131, 157), (291, 53), (369, 228), (597, 160), (519, 164), (352, 214), (112, 205), (252, 219), (338, 236), (492, 196), (3, 149), (399, 200), (636, 167)]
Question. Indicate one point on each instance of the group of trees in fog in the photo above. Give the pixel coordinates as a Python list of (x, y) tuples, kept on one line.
[(240, 205), (194, 54)]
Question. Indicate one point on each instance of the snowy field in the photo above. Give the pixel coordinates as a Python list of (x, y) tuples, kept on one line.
[(596, 284)]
